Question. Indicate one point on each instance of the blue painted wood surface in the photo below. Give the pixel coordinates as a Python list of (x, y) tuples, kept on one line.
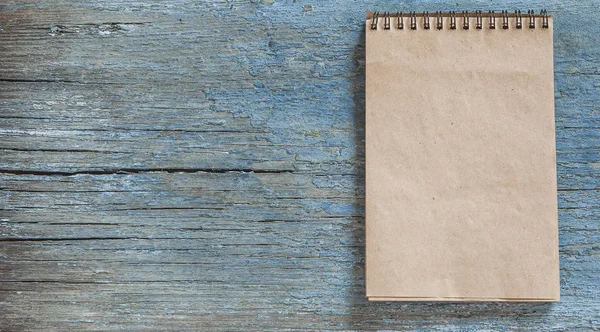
[(183, 165)]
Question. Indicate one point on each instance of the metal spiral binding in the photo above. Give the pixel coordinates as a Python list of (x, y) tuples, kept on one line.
[(386, 21), (466, 18), (545, 19), (492, 19), (400, 21), (478, 20), (374, 21), (519, 19), (505, 19), (531, 19)]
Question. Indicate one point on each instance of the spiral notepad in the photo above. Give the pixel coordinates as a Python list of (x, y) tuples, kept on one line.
[(461, 198)]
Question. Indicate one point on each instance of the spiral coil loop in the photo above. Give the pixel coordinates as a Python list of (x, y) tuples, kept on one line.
[(374, 21), (519, 19), (505, 19), (531, 14), (492, 15), (478, 20), (400, 21), (451, 23), (545, 19), (413, 20), (386, 21), (452, 20)]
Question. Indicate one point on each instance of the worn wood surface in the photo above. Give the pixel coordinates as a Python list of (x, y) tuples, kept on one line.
[(187, 165)]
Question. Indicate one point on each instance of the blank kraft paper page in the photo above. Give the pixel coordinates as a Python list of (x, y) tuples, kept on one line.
[(461, 199)]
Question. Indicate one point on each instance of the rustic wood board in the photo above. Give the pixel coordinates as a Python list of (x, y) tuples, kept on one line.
[(183, 165)]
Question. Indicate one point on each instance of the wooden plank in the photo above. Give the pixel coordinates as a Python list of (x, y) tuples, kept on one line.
[(199, 166)]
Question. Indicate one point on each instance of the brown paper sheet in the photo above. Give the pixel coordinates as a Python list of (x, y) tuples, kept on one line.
[(461, 200)]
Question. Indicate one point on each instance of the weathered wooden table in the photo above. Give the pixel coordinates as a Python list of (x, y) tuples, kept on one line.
[(182, 165)]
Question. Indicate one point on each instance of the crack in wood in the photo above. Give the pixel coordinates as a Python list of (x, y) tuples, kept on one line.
[(21, 80), (147, 170)]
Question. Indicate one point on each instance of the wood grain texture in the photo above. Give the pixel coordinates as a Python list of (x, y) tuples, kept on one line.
[(182, 165)]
